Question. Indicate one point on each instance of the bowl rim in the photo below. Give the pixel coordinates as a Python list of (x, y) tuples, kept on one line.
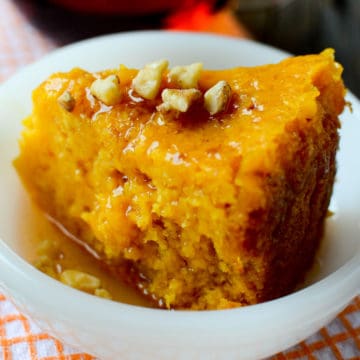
[(23, 273)]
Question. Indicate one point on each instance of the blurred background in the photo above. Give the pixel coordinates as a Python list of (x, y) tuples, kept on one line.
[(298, 26)]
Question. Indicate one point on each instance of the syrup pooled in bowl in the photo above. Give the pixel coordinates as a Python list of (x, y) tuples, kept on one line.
[(53, 250)]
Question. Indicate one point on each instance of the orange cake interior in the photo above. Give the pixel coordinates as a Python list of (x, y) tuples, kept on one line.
[(201, 199)]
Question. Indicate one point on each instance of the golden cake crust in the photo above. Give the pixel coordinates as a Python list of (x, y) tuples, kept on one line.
[(204, 211)]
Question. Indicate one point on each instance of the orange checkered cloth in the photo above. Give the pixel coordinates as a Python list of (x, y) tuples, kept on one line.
[(21, 339)]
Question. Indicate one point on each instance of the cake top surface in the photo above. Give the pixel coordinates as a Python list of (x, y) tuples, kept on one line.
[(263, 101)]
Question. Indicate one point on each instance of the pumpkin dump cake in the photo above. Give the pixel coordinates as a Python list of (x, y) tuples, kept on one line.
[(203, 189)]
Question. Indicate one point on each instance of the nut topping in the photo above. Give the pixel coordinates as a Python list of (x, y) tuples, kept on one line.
[(107, 90), (178, 99), (80, 280), (186, 77), (66, 101), (217, 97), (147, 82)]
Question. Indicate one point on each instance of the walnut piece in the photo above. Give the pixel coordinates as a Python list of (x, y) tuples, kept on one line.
[(178, 99), (103, 293), (217, 97), (66, 101), (148, 80), (107, 90), (186, 77), (80, 280)]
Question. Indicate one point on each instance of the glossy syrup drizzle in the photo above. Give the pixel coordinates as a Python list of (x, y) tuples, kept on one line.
[(74, 254)]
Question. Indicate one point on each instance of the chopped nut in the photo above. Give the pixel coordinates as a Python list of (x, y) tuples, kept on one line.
[(148, 80), (80, 280), (103, 293), (186, 77), (45, 264), (107, 90), (217, 97), (178, 99), (66, 101), (48, 247)]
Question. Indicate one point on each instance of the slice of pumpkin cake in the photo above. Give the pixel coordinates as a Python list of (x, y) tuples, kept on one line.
[(203, 189)]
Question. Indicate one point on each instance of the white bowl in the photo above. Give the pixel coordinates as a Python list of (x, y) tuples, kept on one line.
[(112, 330)]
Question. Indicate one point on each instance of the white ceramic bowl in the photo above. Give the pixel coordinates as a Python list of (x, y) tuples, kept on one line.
[(112, 330)]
